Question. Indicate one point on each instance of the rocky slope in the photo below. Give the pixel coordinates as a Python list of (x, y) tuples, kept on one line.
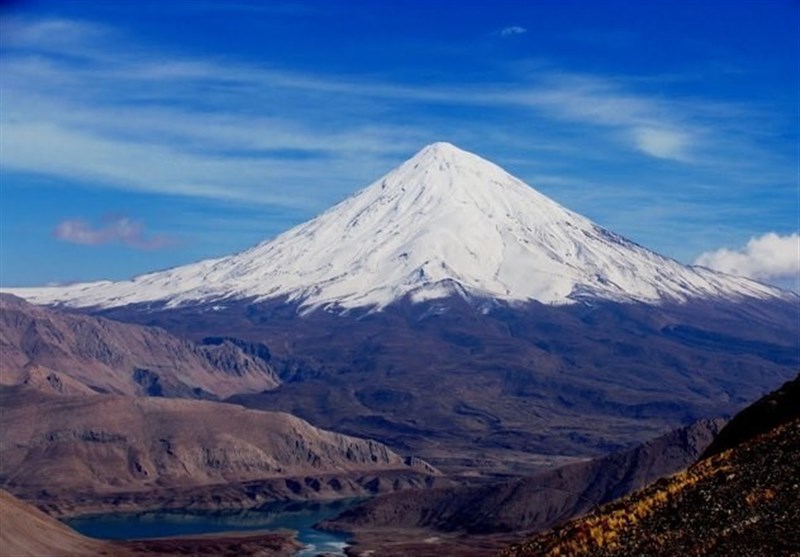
[(27, 531), (68, 352), (777, 408), (535, 503), (743, 499), (512, 390), (74, 448)]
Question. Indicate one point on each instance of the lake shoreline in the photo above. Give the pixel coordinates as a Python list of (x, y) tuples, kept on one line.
[(277, 524), (68, 504)]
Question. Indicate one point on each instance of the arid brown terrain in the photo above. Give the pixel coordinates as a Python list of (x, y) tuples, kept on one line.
[(536, 502), (743, 499), (99, 416), (479, 520), (505, 391), (90, 423), (74, 353), (108, 450), (25, 530)]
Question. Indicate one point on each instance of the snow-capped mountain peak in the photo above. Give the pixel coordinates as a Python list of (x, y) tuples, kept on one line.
[(444, 222)]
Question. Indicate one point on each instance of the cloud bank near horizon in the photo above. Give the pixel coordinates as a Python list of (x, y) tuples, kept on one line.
[(769, 258)]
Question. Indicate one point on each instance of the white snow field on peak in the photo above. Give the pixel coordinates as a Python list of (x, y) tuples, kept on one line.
[(444, 222)]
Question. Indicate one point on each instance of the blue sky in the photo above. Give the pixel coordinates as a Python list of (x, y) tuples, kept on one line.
[(136, 136)]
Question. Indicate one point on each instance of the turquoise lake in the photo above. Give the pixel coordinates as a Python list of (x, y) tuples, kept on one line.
[(298, 516)]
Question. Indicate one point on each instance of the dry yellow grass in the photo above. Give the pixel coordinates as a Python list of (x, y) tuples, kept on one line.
[(744, 499)]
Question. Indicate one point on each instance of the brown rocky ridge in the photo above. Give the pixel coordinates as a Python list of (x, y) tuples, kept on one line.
[(743, 499), (72, 353), (536, 502), (83, 453), (481, 519)]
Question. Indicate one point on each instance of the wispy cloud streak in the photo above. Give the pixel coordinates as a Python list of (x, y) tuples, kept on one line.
[(512, 30), (134, 120)]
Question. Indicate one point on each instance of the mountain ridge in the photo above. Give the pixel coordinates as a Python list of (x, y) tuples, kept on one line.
[(70, 352), (80, 454), (537, 502), (444, 222)]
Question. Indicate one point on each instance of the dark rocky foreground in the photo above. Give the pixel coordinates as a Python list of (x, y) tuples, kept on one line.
[(742, 500)]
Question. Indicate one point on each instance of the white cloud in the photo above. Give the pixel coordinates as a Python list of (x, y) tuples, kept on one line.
[(769, 258), (512, 30), (653, 126), (662, 143), (122, 230)]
